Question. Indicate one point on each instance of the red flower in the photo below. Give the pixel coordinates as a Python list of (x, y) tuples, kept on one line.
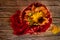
[(20, 26)]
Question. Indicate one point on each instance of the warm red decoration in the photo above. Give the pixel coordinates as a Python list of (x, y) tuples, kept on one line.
[(20, 26)]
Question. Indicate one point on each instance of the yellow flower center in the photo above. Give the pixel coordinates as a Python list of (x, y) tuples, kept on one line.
[(37, 16)]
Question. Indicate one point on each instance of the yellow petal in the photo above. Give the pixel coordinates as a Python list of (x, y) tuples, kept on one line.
[(55, 30), (36, 16)]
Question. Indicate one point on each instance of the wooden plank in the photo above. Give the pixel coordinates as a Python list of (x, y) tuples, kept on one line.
[(38, 38), (27, 2), (51, 3), (42, 34), (8, 8), (8, 11), (46, 2), (6, 14), (31, 38), (54, 11), (56, 20), (5, 23), (7, 3), (9, 27), (7, 34)]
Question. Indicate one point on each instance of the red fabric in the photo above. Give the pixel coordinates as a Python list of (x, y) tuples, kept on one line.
[(20, 27)]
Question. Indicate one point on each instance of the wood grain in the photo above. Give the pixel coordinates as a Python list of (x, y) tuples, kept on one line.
[(5, 23), (9, 11), (9, 7), (20, 2)]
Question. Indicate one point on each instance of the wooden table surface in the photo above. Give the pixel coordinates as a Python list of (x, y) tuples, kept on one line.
[(8, 8)]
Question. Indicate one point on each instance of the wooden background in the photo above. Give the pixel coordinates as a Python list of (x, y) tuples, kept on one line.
[(8, 8)]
